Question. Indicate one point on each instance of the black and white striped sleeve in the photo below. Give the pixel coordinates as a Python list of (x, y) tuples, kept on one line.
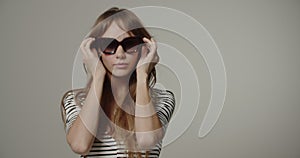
[(165, 105), (71, 110)]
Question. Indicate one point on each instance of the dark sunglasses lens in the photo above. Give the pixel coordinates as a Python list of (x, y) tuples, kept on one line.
[(132, 44), (110, 48), (109, 45), (105, 45)]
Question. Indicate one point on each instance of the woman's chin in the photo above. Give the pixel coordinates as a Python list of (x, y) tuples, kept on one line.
[(121, 73)]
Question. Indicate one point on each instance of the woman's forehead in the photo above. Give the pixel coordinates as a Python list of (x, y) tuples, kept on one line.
[(114, 31)]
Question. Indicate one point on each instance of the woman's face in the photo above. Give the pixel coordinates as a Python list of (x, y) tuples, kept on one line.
[(112, 62)]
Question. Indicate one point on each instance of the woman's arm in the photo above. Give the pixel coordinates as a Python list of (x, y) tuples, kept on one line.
[(147, 124), (82, 133)]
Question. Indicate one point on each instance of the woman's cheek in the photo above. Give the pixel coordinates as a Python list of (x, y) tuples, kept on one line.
[(107, 63)]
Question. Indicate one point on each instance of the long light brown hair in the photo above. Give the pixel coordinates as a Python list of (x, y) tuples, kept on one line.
[(129, 22)]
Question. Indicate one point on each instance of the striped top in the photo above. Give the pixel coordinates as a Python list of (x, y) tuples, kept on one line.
[(106, 146)]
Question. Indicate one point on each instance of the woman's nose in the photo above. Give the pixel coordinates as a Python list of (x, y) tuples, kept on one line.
[(120, 53)]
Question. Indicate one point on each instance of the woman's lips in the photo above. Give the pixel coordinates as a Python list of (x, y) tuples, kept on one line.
[(121, 65)]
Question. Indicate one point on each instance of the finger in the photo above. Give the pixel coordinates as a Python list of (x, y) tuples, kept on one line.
[(153, 42), (83, 43), (90, 51), (151, 45), (144, 53), (88, 42), (94, 52), (145, 39), (83, 46)]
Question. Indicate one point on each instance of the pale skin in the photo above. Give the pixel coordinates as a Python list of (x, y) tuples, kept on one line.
[(82, 133)]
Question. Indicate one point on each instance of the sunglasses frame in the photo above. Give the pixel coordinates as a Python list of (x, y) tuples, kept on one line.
[(96, 44)]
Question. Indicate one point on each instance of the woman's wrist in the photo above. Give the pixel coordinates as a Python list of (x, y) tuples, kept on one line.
[(141, 75), (146, 110), (97, 84), (98, 77)]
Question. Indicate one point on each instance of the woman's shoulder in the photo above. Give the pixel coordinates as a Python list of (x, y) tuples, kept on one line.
[(163, 97), (70, 95), (161, 92), (164, 101)]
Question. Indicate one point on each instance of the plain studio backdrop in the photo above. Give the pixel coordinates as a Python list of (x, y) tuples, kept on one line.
[(258, 40)]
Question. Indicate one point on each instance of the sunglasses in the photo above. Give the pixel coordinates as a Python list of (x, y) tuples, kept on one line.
[(110, 45)]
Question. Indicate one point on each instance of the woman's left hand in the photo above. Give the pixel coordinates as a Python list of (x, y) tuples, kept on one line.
[(149, 57)]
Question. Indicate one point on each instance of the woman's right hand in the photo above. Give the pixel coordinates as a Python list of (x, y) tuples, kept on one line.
[(91, 60)]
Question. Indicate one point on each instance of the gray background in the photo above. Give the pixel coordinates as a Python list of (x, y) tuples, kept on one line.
[(259, 42)]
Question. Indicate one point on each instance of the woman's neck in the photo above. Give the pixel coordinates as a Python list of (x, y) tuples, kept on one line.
[(120, 88)]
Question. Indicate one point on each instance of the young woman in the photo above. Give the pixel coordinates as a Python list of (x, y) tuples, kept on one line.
[(120, 112)]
